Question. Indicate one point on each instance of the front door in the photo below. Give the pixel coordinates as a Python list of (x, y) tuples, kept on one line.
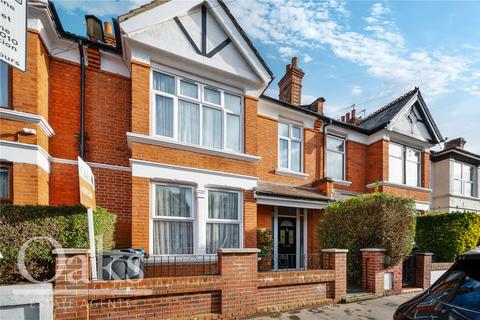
[(287, 243)]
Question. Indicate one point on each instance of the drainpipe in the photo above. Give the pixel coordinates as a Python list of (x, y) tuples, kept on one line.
[(82, 99), (325, 146)]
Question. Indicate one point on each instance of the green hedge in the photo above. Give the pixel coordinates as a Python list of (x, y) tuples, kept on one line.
[(376, 220), (66, 224), (448, 234)]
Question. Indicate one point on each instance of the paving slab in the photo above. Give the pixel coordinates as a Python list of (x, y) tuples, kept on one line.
[(377, 309)]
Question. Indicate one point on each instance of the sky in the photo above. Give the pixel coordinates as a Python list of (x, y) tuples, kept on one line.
[(365, 53)]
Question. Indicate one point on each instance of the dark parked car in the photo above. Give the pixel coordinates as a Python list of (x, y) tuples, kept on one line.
[(456, 295)]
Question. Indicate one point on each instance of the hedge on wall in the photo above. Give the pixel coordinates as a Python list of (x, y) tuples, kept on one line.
[(66, 224), (448, 234), (376, 220)]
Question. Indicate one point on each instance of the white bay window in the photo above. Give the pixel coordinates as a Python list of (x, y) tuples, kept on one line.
[(290, 140), (181, 227), (464, 179), (335, 157), (194, 113), (404, 165)]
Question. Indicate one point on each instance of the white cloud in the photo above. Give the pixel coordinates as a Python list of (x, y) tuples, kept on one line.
[(379, 47), (286, 53), (473, 90), (357, 90), (99, 8), (307, 99), (307, 58)]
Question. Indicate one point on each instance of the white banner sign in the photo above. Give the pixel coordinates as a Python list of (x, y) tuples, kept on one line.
[(13, 32)]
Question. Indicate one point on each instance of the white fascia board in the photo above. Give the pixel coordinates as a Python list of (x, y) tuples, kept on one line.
[(278, 112), (201, 177), (24, 153), (410, 141), (402, 113), (27, 117), (290, 202)]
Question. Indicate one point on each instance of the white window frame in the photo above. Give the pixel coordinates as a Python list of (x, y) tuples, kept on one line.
[(404, 164), (344, 154), (199, 217), (238, 221), (201, 84), (154, 217), (463, 181), (290, 138)]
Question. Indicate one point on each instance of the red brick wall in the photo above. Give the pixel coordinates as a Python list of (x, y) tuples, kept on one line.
[(426, 169), (377, 160), (407, 193), (250, 125), (356, 166), (140, 98), (314, 219), (264, 217), (140, 213), (30, 184), (249, 220)]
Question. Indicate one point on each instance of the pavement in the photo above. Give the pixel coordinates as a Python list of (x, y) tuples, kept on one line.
[(376, 309)]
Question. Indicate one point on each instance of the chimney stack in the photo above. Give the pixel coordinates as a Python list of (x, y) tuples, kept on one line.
[(455, 143), (108, 35), (290, 86)]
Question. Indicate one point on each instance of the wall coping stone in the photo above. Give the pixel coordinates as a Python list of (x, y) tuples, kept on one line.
[(333, 250), (423, 253), (70, 251), (238, 250), (373, 250)]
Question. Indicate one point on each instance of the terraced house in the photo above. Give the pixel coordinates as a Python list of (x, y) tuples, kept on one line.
[(167, 108)]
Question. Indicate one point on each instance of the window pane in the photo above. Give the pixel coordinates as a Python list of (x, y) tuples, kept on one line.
[(395, 150), (283, 154), (188, 122), (212, 127), (188, 89), (163, 82), (412, 173), (233, 103), (296, 157), (222, 235), (335, 165), (212, 96), (173, 201), (457, 186), (222, 205), (335, 144), (233, 132), (4, 183), (395, 170), (164, 119), (283, 130), (468, 189), (4, 84), (467, 173), (413, 155), (296, 132), (172, 237), (457, 170)]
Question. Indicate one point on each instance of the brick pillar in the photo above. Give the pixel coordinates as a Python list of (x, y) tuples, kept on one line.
[(373, 270), (336, 259), (423, 269), (70, 289), (238, 268)]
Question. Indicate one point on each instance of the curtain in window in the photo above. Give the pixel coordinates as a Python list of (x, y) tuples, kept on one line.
[(296, 157), (283, 153), (163, 82), (212, 96), (172, 237), (222, 235), (188, 89), (233, 103), (335, 165), (173, 201), (188, 122), (4, 84), (212, 127), (233, 132), (4, 183), (222, 205), (164, 116)]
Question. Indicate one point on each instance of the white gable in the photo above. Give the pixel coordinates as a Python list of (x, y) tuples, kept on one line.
[(413, 124), (165, 40)]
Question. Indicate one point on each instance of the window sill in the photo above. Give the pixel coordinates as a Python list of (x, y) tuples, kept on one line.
[(342, 182), (455, 195), (398, 185), (10, 114), (157, 141), (289, 173)]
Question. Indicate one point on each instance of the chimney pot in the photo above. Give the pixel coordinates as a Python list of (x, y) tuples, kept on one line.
[(290, 86), (294, 62), (455, 143), (108, 27), (353, 114), (347, 117), (343, 118)]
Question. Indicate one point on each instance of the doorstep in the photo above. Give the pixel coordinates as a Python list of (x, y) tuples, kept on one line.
[(357, 296), (411, 290)]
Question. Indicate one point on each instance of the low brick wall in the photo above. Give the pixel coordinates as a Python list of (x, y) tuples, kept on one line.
[(436, 266), (238, 291)]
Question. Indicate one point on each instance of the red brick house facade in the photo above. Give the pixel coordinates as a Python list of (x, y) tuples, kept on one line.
[(186, 150)]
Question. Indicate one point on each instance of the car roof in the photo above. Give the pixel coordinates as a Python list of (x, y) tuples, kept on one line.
[(472, 254)]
